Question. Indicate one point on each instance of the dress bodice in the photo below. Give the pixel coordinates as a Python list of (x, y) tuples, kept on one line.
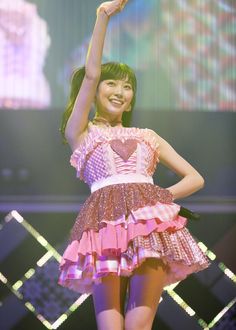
[(108, 151)]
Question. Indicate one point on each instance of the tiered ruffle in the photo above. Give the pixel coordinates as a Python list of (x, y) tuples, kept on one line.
[(121, 225)]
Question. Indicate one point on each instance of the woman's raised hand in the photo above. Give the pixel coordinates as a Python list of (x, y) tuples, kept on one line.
[(112, 7)]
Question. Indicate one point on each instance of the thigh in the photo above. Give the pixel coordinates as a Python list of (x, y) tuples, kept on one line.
[(109, 300), (145, 289)]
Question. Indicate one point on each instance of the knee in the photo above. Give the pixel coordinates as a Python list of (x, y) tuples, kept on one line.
[(137, 323)]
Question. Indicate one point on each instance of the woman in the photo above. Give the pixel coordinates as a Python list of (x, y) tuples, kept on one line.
[(129, 235)]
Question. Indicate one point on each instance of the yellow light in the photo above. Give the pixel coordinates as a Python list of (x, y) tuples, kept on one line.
[(30, 306), (17, 285), (29, 273), (47, 324), (203, 324), (14, 214), (78, 302), (221, 313), (227, 272), (42, 240), (59, 321), (3, 278), (211, 255), (202, 246), (44, 258)]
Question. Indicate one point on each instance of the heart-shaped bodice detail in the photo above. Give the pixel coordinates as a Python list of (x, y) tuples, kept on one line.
[(124, 149)]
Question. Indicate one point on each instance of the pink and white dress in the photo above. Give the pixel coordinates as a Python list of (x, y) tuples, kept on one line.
[(127, 218)]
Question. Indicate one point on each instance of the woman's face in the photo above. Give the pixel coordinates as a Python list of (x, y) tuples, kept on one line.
[(113, 98)]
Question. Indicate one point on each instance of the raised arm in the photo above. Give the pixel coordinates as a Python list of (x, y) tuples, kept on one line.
[(78, 120), (191, 181)]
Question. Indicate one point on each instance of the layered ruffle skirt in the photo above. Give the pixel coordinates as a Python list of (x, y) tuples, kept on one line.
[(119, 226)]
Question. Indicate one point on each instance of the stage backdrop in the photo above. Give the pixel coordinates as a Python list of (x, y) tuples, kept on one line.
[(183, 52)]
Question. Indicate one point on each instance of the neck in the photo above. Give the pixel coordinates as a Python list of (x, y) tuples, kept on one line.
[(99, 120)]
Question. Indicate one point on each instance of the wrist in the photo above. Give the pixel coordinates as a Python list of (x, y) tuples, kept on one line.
[(171, 196), (101, 11)]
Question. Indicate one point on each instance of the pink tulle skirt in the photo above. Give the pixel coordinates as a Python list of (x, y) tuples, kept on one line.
[(119, 227)]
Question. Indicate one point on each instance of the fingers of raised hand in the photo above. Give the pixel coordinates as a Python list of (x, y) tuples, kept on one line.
[(122, 4), (113, 7)]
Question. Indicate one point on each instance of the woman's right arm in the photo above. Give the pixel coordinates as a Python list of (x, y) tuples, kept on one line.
[(78, 120)]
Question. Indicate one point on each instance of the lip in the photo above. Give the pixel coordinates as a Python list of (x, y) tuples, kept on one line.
[(119, 102)]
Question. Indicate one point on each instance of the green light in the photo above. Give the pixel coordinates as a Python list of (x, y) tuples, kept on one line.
[(59, 321), (78, 302), (14, 214), (42, 241), (44, 258), (17, 285), (221, 313), (203, 324), (51, 252), (47, 324), (181, 303), (29, 273), (211, 255), (30, 306), (202, 246), (227, 272)]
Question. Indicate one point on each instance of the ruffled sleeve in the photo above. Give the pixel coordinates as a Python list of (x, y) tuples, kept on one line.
[(151, 138)]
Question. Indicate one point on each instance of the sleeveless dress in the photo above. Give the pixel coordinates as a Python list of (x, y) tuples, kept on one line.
[(127, 218)]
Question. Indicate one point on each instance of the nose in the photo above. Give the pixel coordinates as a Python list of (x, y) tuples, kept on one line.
[(118, 91)]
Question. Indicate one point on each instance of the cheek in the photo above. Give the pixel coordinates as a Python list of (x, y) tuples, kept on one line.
[(130, 96)]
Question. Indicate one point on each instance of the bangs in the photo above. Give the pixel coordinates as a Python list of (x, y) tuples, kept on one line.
[(118, 71)]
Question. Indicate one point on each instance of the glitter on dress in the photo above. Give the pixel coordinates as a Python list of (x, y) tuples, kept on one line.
[(127, 218)]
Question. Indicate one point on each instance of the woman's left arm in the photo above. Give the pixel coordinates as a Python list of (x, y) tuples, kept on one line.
[(191, 180)]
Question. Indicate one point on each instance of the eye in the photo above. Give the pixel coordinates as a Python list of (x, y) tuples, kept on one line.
[(128, 87), (110, 83)]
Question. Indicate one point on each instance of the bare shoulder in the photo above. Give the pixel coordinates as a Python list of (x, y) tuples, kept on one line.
[(154, 134)]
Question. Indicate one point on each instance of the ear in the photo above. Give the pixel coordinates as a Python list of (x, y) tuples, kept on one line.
[(128, 109)]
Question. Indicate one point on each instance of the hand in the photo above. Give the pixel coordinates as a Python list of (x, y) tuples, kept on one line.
[(112, 7)]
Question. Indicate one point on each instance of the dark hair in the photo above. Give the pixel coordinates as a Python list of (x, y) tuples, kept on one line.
[(110, 70)]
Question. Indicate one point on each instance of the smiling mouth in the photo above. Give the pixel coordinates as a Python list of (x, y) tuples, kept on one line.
[(116, 102)]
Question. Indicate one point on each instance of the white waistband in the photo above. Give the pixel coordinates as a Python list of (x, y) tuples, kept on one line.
[(121, 178)]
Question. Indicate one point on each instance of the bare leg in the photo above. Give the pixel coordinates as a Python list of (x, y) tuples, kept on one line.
[(146, 286), (109, 300)]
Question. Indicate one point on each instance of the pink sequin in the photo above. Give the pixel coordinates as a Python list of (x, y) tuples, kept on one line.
[(124, 149), (121, 225), (117, 201)]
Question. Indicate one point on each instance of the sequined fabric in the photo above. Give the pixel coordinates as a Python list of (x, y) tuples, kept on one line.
[(124, 149), (112, 202), (121, 225)]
